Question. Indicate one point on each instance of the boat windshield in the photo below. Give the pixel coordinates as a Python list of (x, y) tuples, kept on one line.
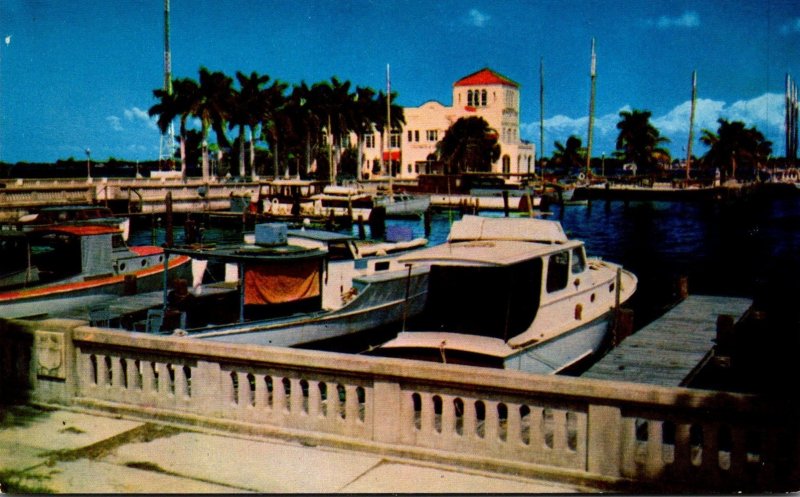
[(498, 302)]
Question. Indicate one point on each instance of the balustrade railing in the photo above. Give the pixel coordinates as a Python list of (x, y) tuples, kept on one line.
[(597, 431)]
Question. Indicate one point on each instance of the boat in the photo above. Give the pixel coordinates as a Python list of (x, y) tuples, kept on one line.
[(402, 204), (75, 215), (512, 293), (52, 269), (292, 294), (343, 200)]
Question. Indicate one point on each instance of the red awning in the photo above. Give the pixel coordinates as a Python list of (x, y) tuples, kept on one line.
[(393, 155)]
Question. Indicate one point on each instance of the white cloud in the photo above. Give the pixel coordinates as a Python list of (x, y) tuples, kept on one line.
[(793, 26), (135, 114), (115, 123), (764, 112), (477, 18), (688, 19)]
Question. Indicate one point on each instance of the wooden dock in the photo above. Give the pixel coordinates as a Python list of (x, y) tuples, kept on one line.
[(667, 351)]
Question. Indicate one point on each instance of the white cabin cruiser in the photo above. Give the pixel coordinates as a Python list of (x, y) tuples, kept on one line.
[(512, 293)]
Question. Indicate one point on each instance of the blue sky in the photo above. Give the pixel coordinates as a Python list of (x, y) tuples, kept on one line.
[(77, 75)]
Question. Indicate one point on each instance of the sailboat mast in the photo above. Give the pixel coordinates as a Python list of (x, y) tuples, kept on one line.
[(593, 75), (691, 125), (541, 114), (389, 120), (167, 146)]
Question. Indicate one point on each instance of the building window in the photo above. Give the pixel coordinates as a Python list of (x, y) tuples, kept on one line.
[(433, 135), (483, 98), (394, 140), (369, 141), (416, 135), (409, 168), (506, 164), (469, 98), (409, 135)]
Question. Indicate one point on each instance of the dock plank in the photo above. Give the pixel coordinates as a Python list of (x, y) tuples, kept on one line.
[(667, 350)]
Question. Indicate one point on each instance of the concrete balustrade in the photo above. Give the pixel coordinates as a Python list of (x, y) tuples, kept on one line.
[(591, 431)]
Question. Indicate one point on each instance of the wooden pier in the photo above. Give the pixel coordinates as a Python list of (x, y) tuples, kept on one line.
[(668, 351)]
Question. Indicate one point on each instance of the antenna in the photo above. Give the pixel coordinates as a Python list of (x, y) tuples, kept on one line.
[(541, 113), (167, 145)]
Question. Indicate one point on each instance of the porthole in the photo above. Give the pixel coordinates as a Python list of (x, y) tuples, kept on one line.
[(122, 266), (591, 298), (160, 258), (611, 287), (144, 262)]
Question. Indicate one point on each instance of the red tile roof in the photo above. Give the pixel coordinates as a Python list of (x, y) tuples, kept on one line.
[(485, 77)]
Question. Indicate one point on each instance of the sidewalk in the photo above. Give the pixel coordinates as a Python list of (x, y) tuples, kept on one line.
[(71, 452)]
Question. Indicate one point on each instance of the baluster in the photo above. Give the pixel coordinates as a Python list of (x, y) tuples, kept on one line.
[(683, 450), (116, 374), (710, 450), (278, 396), (163, 380), (314, 399), (448, 416), (147, 377), (491, 422), (296, 396), (181, 383), (102, 371), (261, 391), (243, 395), (559, 430), (628, 446), (738, 451), (427, 415), (654, 461), (351, 404), (470, 419), (513, 425)]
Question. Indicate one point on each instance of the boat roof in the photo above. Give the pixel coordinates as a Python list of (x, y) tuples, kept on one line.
[(249, 253), (524, 229), (482, 241), (81, 229), (476, 344), (319, 235), (73, 208), (482, 253)]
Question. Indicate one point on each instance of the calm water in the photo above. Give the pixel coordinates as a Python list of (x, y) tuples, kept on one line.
[(749, 248)]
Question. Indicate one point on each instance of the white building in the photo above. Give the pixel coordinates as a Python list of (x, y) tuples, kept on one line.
[(486, 94)]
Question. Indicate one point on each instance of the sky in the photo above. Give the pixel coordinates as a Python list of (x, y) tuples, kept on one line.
[(78, 75)]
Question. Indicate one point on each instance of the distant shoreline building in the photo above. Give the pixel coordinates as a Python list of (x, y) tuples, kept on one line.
[(484, 93)]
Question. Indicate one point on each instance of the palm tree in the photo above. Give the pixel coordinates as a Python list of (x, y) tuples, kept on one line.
[(469, 145), (639, 140), (569, 156), (334, 105), (180, 103), (213, 109), (246, 112), (273, 119), (302, 112), (365, 113), (733, 144)]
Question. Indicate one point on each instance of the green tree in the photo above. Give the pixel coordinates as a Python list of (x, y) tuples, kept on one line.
[(469, 145), (639, 141), (302, 114), (273, 119), (734, 145), (246, 111), (178, 104), (213, 104), (570, 156)]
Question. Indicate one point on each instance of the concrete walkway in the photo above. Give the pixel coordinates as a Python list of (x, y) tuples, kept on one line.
[(74, 452)]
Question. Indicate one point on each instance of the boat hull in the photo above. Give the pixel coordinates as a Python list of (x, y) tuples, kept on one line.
[(564, 351), (58, 299), (381, 301)]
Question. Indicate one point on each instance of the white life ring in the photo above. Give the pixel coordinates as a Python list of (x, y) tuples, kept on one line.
[(581, 176)]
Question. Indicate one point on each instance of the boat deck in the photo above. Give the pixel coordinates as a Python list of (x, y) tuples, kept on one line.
[(668, 350)]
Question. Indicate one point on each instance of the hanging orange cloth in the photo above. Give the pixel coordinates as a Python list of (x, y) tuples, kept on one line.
[(279, 283)]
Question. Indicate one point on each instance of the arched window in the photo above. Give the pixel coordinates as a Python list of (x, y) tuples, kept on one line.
[(506, 164)]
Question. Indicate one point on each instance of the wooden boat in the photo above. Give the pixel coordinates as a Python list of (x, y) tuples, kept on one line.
[(292, 294), (75, 215), (402, 204), (53, 269), (512, 293)]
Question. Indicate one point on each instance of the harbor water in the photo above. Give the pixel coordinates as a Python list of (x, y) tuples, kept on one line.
[(749, 247)]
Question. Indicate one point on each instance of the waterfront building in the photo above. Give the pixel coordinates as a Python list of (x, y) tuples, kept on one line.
[(485, 94)]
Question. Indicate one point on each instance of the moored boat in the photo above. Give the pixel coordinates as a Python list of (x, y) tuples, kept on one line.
[(294, 293), (53, 269), (512, 293), (74, 215)]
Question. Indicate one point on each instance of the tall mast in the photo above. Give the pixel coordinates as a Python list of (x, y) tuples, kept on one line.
[(389, 121), (691, 125), (541, 112), (791, 120), (593, 75), (167, 147)]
